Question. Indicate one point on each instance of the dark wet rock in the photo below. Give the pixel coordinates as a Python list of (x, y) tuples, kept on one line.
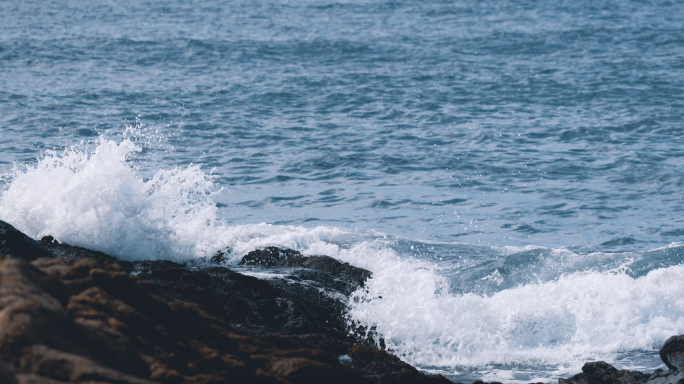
[(255, 306), (15, 243), (305, 310), (268, 257), (67, 251), (84, 320), (619, 242), (343, 271), (218, 258), (600, 372), (312, 300), (383, 367), (7, 375), (672, 352), (277, 257)]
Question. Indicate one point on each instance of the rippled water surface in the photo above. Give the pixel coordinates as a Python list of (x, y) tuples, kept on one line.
[(513, 151)]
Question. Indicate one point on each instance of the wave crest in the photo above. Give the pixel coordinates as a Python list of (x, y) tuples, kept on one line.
[(98, 200)]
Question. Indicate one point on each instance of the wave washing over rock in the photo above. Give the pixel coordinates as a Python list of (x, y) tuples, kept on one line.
[(98, 201), (407, 305), (84, 317)]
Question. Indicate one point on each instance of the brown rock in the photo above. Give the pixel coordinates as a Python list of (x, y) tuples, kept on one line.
[(283, 313), (87, 321)]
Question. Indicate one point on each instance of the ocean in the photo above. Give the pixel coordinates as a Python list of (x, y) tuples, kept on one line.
[(512, 172)]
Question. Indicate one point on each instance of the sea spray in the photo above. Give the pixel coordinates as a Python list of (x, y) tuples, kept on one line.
[(97, 200)]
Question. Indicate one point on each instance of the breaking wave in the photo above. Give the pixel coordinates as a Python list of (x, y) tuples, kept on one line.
[(98, 199)]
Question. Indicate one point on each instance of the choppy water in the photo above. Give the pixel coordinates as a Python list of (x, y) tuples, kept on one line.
[(511, 172)]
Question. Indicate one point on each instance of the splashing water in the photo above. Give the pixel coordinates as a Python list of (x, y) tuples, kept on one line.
[(577, 317), (98, 201), (425, 315)]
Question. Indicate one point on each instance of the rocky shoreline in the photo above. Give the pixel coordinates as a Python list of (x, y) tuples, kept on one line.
[(73, 315)]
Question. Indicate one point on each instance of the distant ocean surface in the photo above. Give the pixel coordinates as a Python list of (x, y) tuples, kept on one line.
[(512, 172)]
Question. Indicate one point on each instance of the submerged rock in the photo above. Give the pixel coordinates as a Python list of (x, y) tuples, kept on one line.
[(277, 257), (15, 243)]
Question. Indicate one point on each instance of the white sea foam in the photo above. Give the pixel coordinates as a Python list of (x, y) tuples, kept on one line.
[(575, 318), (676, 244), (98, 201), (513, 249)]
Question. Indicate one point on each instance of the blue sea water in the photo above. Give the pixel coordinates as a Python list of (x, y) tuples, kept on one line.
[(512, 172)]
